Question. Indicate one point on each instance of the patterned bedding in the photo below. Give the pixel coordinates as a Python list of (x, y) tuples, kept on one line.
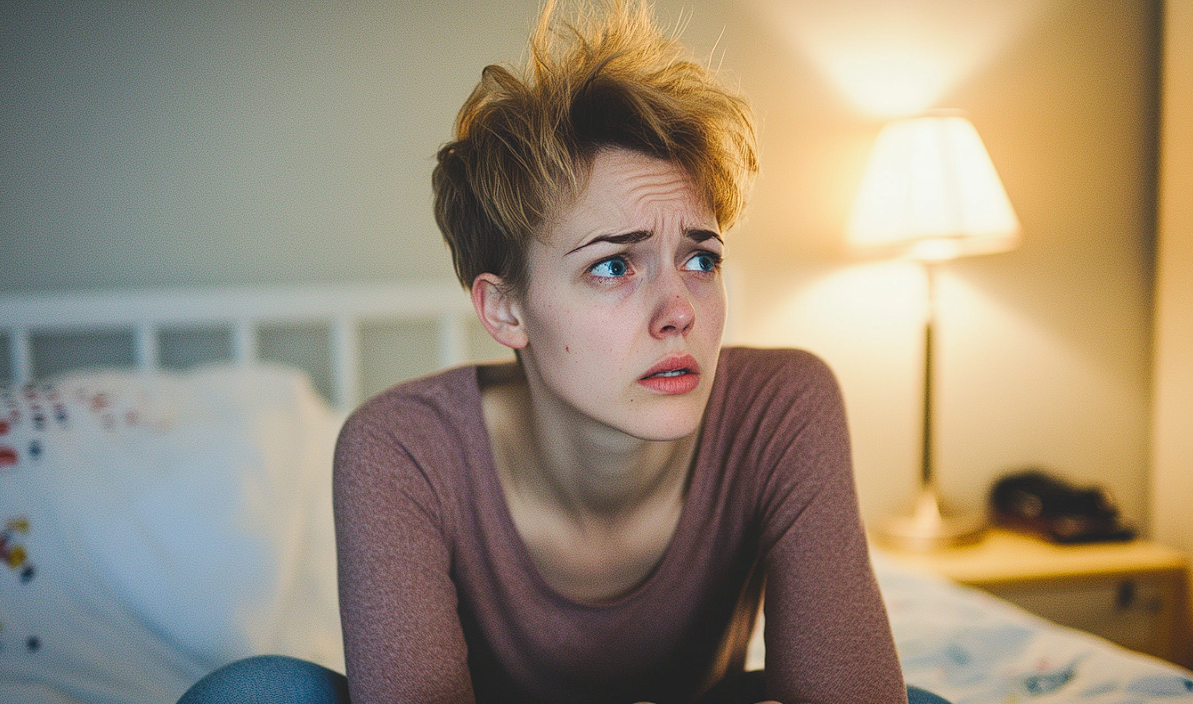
[(157, 526), (972, 648)]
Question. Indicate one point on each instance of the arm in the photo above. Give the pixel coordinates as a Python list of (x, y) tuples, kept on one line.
[(402, 636), (828, 638)]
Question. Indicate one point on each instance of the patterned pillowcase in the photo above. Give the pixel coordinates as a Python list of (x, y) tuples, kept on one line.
[(157, 526)]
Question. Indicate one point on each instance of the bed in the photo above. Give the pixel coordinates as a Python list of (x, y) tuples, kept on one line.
[(171, 513)]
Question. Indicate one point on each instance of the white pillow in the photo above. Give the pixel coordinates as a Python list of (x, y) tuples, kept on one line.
[(158, 526)]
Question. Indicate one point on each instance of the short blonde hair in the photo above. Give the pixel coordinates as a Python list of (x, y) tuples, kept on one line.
[(525, 144)]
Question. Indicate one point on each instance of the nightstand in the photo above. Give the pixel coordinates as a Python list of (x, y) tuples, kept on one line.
[(1132, 593)]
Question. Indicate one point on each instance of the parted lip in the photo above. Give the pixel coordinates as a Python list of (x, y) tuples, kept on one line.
[(673, 362)]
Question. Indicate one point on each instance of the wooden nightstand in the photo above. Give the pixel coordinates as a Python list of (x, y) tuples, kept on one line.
[(1132, 593)]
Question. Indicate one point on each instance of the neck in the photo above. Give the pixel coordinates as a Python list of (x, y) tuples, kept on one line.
[(583, 467), (600, 472)]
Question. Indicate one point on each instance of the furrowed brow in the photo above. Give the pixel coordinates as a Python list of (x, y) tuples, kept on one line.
[(702, 235), (624, 238)]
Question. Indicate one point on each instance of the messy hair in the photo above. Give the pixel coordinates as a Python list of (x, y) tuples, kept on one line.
[(524, 144)]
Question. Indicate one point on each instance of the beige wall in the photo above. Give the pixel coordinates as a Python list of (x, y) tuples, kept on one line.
[(1172, 452), (230, 143)]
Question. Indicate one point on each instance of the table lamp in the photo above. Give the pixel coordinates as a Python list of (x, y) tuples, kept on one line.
[(930, 193)]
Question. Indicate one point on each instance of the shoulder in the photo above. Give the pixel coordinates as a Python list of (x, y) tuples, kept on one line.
[(768, 402), (421, 432), (777, 417), (422, 407), (407, 446), (745, 373), (772, 360)]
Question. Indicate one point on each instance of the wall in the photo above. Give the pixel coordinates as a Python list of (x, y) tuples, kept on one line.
[(162, 144), (1172, 451)]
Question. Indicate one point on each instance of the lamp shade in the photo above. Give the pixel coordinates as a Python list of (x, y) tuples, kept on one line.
[(930, 192)]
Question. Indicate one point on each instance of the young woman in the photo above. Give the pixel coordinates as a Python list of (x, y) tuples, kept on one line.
[(599, 520)]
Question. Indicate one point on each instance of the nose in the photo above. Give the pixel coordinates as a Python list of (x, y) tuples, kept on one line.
[(674, 313)]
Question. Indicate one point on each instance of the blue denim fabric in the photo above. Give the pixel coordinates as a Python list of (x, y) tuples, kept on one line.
[(915, 695), (277, 679), (269, 679)]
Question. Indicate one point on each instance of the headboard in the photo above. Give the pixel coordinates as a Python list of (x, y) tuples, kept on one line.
[(342, 315)]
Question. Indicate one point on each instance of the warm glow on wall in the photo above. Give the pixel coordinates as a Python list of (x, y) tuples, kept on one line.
[(893, 59)]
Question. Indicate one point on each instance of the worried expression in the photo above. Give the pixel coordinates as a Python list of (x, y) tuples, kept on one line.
[(622, 319)]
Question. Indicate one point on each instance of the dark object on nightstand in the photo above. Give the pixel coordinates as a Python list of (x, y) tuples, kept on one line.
[(1040, 503)]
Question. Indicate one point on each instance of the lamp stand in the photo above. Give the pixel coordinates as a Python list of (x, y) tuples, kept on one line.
[(928, 527)]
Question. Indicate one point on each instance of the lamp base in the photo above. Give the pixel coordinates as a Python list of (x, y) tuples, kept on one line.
[(928, 528)]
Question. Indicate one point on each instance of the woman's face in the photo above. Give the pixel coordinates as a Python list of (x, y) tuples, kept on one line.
[(625, 305)]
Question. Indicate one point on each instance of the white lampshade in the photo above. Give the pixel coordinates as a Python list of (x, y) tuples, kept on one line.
[(930, 192)]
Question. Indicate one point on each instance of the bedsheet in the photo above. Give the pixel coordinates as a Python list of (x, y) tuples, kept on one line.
[(973, 648)]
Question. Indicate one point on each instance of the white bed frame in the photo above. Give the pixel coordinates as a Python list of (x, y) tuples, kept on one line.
[(146, 312)]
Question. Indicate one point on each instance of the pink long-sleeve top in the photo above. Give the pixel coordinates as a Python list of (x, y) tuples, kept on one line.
[(442, 602)]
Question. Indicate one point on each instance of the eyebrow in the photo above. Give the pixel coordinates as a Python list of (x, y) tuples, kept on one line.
[(696, 235)]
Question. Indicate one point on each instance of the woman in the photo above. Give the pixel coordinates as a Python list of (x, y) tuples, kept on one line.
[(597, 521)]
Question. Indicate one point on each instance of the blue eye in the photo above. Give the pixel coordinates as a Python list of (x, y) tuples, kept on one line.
[(610, 268), (703, 261)]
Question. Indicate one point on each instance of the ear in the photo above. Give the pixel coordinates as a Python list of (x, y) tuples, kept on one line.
[(499, 311)]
